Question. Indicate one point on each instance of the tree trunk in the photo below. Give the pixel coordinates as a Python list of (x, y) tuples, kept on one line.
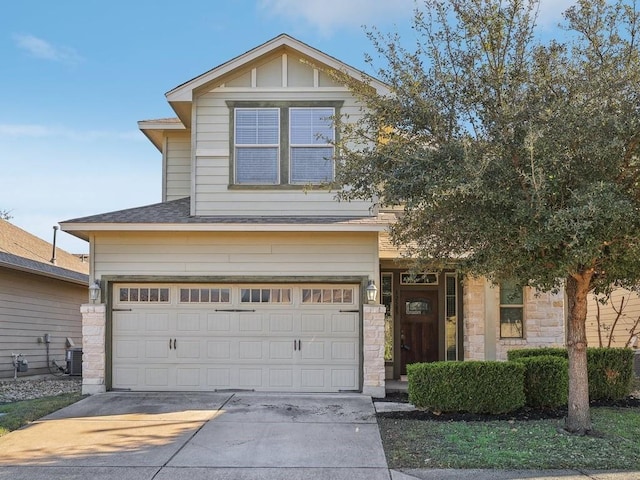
[(578, 417)]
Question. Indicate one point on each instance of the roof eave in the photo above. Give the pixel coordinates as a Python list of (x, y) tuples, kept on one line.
[(155, 131), (34, 271), (81, 230)]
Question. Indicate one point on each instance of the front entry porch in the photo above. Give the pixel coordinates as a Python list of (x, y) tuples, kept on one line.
[(423, 321)]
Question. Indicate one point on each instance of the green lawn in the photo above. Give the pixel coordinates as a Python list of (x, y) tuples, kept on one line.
[(18, 414), (515, 444)]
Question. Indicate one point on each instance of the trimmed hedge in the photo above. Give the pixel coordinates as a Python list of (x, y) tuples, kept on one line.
[(610, 370), (610, 373), (546, 381), (475, 387)]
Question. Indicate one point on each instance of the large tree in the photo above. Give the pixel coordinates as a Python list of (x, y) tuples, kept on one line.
[(515, 155)]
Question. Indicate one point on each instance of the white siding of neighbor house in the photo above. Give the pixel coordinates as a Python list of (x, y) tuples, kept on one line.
[(30, 306), (621, 332), (278, 78), (235, 254), (177, 168)]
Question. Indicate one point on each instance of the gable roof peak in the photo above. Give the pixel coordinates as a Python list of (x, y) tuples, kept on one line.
[(184, 91)]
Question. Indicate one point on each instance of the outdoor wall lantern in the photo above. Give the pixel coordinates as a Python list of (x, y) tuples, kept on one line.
[(372, 291), (94, 291)]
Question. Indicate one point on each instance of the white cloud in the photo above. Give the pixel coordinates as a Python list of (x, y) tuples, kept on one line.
[(43, 131), (328, 15), (40, 48)]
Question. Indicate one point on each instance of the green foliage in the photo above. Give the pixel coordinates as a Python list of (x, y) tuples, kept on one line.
[(487, 133), (546, 381), (476, 387), (610, 373), (610, 370), (513, 153), (536, 352)]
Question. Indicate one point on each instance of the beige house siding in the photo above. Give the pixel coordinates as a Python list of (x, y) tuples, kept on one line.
[(236, 254), (544, 324), (279, 78), (30, 306), (620, 335), (177, 168)]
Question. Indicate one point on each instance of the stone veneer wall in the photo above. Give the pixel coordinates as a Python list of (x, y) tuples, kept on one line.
[(473, 307), (544, 316), (373, 350), (93, 348), (544, 324)]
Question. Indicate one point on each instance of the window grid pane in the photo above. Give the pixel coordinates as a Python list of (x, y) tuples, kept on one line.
[(311, 164), (311, 156), (257, 138), (334, 295), (152, 295), (511, 310), (204, 295), (257, 165), (311, 126), (265, 295)]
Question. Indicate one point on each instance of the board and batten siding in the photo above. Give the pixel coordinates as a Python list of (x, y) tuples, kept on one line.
[(627, 320), (212, 195), (236, 254), (177, 166), (30, 306)]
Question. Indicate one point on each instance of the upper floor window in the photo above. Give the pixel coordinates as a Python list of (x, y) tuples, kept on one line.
[(511, 310), (283, 143), (311, 152), (257, 145)]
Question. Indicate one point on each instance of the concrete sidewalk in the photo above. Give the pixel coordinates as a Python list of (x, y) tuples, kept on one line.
[(200, 435)]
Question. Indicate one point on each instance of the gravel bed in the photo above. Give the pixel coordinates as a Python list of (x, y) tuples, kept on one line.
[(27, 389)]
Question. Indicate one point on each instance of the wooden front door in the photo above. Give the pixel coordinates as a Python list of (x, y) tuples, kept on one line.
[(418, 327)]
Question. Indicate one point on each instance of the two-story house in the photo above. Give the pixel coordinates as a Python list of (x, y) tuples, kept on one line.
[(250, 275)]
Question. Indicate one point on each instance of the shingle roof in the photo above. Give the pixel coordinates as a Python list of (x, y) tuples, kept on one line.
[(24, 251), (178, 212)]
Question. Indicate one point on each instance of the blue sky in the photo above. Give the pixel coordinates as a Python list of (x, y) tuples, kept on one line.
[(78, 74)]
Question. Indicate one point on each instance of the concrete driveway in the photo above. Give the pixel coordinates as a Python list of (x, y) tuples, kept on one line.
[(164, 436)]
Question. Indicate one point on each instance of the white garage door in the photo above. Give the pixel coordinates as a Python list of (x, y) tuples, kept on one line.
[(302, 338)]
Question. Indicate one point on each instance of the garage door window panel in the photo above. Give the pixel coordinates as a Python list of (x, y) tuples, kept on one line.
[(205, 295), (326, 295), (265, 295), (147, 295)]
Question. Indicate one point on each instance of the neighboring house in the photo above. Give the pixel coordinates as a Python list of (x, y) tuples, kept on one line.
[(616, 322), (250, 275), (40, 293)]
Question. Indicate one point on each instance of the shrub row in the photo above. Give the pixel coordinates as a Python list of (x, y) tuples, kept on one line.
[(476, 387), (610, 370), (536, 377), (546, 381)]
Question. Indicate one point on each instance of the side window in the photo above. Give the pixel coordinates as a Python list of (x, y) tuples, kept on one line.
[(511, 310), (311, 153), (257, 146)]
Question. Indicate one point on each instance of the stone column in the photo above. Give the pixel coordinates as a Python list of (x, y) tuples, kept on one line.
[(93, 348), (373, 346), (473, 304)]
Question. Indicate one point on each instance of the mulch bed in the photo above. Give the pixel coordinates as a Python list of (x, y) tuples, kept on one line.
[(522, 414)]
